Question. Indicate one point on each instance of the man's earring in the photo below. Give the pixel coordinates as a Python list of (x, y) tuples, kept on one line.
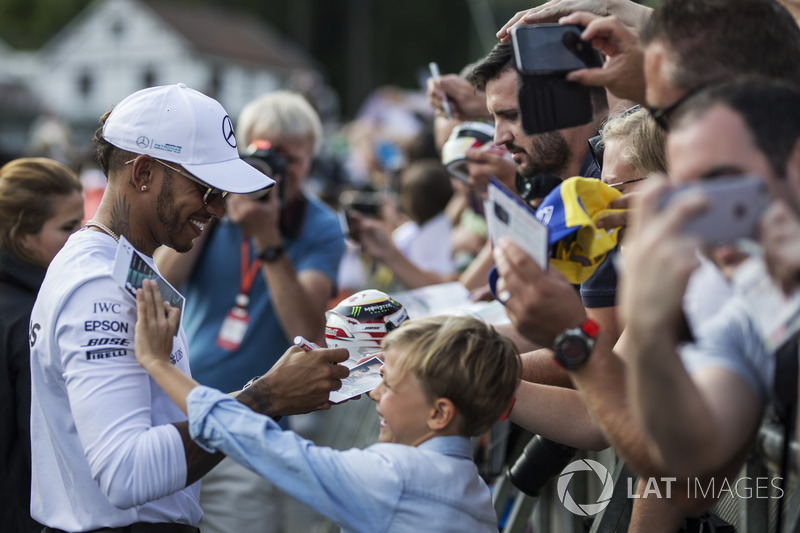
[(144, 188)]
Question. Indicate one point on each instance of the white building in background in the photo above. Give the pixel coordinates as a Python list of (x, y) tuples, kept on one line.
[(115, 47)]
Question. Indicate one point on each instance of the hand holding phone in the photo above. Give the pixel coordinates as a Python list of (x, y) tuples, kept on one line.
[(547, 49), (736, 206), (544, 55)]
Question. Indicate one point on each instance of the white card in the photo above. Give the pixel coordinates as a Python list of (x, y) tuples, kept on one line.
[(362, 379), (131, 267), (508, 216)]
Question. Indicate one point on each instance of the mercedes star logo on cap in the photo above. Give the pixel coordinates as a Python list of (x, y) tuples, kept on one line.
[(227, 131), (142, 142)]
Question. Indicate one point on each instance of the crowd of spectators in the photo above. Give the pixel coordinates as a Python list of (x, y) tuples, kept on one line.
[(665, 353)]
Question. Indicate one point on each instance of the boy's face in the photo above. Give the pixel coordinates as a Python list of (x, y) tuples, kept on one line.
[(403, 407)]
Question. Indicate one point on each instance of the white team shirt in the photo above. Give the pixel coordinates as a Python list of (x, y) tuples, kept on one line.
[(103, 451)]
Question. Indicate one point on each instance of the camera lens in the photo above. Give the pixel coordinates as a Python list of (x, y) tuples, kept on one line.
[(539, 462)]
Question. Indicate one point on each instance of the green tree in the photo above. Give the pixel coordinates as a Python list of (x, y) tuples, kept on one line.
[(27, 25)]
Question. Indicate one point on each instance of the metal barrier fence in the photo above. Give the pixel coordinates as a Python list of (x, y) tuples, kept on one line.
[(750, 507)]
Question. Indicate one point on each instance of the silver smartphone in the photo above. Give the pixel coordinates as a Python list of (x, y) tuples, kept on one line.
[(736, 206)]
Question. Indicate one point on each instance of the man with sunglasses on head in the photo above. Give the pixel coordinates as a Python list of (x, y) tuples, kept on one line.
[(110, 451)]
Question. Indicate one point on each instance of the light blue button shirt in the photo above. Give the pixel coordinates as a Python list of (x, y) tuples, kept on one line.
[(384, 488)]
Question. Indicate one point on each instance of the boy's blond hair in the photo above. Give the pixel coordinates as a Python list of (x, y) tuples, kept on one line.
[(462, 359)]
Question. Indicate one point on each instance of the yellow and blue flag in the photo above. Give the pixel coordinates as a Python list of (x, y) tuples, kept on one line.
[(570, 211)]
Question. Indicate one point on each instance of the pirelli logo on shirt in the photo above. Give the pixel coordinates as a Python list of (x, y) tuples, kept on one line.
[(105, 353)]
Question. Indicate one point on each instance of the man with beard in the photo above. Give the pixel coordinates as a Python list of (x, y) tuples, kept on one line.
[(563, 153), (109, 448)]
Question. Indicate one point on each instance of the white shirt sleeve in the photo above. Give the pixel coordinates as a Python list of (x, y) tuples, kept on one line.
[(134, 453)]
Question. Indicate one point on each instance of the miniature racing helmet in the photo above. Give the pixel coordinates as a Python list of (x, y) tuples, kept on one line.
[(465, 137), (361, 321)]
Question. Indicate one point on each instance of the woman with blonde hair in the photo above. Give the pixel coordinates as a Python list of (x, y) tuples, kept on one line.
[(633, 148), (41, 205)]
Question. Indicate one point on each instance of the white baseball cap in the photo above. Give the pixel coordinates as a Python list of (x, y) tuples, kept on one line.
[(184, 126)]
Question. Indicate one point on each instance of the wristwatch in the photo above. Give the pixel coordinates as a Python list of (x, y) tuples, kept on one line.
[(271, 253), (573, 346)]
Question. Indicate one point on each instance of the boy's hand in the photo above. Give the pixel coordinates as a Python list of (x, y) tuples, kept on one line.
[(156, 325)]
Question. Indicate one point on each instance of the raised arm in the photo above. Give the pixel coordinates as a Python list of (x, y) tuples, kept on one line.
[(628, 12), (466, 103), (156, 324), (298, 383), (376, 241), (299, 293), (696, 419)]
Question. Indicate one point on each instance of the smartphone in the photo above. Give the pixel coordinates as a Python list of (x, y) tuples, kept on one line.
[(546, 49), (736, 206)]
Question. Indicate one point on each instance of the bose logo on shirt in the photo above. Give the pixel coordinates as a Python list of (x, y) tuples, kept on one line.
[(108, 340)]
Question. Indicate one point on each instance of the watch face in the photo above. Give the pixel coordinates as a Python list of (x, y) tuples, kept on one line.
[(573, 351)]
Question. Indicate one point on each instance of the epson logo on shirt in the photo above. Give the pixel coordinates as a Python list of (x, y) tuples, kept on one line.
[(105, 325), (105, 353)]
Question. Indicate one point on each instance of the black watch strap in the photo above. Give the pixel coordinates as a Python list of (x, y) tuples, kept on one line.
[(271, 253)]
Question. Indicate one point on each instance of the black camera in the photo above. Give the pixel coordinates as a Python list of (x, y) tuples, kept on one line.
[(541, 460), (262, 155)]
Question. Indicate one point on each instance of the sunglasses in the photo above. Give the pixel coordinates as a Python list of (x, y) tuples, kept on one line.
[(596, 146), (621, 183), (663, 115), (211, 193)]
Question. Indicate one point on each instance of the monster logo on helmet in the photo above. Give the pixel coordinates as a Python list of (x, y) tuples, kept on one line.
[(361, 321)]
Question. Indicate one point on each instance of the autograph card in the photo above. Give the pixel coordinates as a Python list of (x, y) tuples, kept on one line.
[(130, 268), (508, 216), (362, 379)]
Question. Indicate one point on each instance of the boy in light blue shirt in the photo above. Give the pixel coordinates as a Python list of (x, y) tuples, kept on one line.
[(445, 379)]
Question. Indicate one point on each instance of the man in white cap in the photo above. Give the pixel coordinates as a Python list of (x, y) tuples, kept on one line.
[(110, 451)]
